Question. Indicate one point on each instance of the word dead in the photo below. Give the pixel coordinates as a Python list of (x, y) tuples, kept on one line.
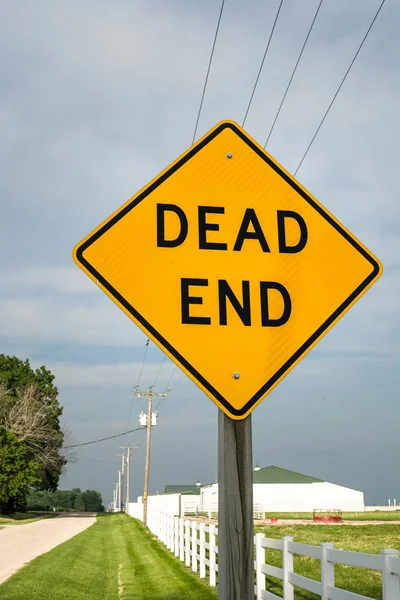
[(249, 229)]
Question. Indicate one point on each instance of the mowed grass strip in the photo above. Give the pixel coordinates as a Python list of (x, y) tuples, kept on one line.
[(87, 566), (376, 515), (370, 539)]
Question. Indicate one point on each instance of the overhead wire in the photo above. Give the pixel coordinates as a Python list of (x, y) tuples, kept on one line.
[(293, 73), (173, 385), (262, 62), (110, 437), (340, 86), (111, 462), (208, 71), (143, 361), (146, 347), (170, 379), (160, 369)]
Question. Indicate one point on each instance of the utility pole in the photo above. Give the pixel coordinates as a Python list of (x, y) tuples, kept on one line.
[(118, 489), (121, 492), (128, 473), (150, 395), (115, 497)]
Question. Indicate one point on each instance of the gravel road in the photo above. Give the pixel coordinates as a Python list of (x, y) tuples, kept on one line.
[(19, 544)]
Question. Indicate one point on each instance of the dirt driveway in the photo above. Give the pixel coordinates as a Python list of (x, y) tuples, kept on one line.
[(19, 544)]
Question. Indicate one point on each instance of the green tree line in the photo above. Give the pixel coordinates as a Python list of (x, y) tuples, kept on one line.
[(31, 437), (65, 500)]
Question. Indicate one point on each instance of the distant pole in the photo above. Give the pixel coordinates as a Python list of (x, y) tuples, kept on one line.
[(150, 395), (235, 509), (147, 468), (128, 473), (121, 492), (128, 482), (115, 497)]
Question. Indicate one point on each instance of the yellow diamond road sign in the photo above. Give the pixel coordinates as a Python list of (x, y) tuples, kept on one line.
[(230, 266)]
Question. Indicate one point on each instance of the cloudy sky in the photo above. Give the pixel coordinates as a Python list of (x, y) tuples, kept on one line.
[(96, 99)]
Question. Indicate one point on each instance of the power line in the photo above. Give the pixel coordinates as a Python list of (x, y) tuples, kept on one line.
[(170, 379), (161, 401), (208, 71), (146, 347), (262, 62), (143, 361), (340, 87), (293, 74), (111, 462), (111, 437), (160, 369)]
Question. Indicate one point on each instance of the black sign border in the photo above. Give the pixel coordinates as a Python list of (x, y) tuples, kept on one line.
[(153, 332)]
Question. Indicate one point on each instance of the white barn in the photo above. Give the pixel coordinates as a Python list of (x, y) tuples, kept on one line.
[(280, 490)]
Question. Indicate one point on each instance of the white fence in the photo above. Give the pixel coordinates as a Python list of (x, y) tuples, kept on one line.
[(195, 544), (135, 510)]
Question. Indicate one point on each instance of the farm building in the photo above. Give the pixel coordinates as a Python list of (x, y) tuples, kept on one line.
[(280, 490), (274, 490)]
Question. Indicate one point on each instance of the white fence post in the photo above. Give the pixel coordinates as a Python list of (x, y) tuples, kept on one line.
[(288, 590), (155, 530), (176, 535), (164, 526), (202, 550), (187, 543), (181, 540), (327, 570), (211, 541), (260, 560), (159, 525), (194, 546), (171, 532), (166, 529), (390, 581)]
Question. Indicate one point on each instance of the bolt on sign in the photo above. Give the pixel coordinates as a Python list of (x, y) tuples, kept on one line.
[(230, 266)]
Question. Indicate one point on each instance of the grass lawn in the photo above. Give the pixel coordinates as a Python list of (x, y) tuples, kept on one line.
[(115, 559), (360, 538), (376, 515)]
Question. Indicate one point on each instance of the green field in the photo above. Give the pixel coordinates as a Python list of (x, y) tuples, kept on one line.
[(360, 538), (114, 559), (376, 515)]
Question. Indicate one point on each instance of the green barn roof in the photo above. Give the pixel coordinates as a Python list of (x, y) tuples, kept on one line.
[(182, 489), (274, 474)]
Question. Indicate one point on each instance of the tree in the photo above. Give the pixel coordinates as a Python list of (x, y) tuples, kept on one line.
[(93, 501), (29, 409), (74, 499), (79, 503), (17, 470)]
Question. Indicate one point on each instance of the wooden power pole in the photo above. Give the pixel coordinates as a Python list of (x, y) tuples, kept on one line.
[(150, 395), (121, 491), (128, 473), (235, 509)]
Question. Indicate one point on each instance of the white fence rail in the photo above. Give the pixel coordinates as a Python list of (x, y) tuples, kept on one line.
[(195, 544)]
